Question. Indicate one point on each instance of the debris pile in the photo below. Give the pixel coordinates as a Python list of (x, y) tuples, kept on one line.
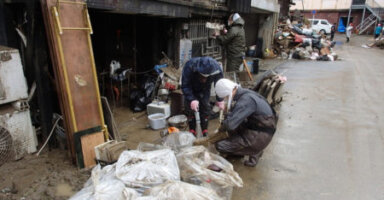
[(294, 42), (172, 170), (379, 42)]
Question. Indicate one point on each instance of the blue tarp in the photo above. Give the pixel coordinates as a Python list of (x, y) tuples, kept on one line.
[(341, 27)]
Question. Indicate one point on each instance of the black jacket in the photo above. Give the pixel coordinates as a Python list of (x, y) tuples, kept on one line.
[(234, 40)]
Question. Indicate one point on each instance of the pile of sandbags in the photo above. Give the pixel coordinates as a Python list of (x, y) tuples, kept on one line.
[(172, 170)]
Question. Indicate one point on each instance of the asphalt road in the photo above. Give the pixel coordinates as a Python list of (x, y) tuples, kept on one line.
[(330, 138)]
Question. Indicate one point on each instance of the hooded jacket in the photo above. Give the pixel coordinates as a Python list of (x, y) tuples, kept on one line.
[(192, 88), (234, 40)]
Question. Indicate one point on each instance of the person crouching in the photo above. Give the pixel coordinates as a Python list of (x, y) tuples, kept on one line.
[(198, 75), (250, 122)]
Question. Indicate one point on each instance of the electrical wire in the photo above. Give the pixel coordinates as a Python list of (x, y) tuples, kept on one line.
[(50, 134), (137, 73)]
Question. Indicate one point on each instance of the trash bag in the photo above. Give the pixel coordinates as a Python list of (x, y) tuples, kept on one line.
[(149, 87), (146, 198), (176, 190), (323, 58), (200, 167), (138, 100), (143, 146), (142, 170), (103, 185), (141, 97), (179, 140)]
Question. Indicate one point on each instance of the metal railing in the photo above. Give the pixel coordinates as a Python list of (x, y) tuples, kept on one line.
[(375, 8)]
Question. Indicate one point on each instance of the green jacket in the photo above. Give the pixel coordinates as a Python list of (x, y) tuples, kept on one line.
[(234, 40)]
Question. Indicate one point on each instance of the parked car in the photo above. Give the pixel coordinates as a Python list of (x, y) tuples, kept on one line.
[(321, 26)]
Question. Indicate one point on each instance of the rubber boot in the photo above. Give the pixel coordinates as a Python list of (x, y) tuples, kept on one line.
[(253, 160), (205, 133)]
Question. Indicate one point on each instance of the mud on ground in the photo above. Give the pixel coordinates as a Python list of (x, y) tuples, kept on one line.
[(48, 176)]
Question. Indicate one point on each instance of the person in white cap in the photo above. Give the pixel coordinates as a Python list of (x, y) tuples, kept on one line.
[(197, 77), (250, 122), (234, 42)]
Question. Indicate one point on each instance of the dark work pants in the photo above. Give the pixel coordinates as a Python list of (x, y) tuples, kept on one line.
[(332, 36), (233, 64), (244, 141), (204, 110)]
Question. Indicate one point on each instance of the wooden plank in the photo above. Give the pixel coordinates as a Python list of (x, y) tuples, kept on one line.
[(57, 69), (88, 143), (73, 61)]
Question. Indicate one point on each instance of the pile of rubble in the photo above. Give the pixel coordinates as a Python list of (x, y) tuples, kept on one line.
[(294, 42), (379, 42)]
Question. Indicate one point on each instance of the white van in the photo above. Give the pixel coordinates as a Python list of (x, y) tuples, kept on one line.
[(321, 26)]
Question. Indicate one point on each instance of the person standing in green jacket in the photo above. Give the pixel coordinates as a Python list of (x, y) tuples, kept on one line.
[(234, 42)]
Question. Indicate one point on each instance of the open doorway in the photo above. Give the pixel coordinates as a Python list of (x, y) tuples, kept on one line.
[(343, 23)]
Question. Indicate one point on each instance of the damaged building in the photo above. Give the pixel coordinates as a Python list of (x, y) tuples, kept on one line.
[(128, 38)]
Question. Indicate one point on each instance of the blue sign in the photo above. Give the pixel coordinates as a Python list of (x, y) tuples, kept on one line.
[(313, 12)]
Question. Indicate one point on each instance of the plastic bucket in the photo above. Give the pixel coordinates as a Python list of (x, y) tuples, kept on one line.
[(157, 121)]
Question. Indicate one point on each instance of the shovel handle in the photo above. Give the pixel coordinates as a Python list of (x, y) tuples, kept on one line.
[(246, 67)]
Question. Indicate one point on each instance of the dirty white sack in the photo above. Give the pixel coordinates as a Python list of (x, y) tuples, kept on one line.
[(176, 190), (103, 185), (146, 169), (194, 162)]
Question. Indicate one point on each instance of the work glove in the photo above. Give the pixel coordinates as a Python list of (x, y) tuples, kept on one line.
[(220, 104), (195, 105)]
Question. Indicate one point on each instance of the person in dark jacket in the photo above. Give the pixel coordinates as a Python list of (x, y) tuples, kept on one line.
[(333, 31), (234, 42), (198, 75), (251, 122)]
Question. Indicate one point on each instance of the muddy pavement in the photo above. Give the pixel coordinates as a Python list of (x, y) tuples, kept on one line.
[(330, 139)]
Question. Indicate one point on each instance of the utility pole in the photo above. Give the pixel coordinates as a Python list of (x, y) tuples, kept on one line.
[(349, 14)]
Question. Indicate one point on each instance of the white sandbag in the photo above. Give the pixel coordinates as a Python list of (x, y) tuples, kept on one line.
[(179, 140), (145, 169), (194, 161), (103, 185), (177, 190)]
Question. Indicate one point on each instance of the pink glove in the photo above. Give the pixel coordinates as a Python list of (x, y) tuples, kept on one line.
[(220, 104), (195, 105)]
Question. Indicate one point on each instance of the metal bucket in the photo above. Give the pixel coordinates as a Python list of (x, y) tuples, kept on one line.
[(157, 121), (179, 121)]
